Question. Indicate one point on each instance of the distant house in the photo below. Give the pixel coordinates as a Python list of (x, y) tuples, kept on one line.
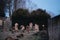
[(54, 28)]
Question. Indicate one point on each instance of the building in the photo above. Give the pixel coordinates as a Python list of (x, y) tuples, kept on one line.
[(54, 27)]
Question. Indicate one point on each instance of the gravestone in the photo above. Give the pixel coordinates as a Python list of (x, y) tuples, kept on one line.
[(36, 27), (31, 26), (16, 26), (1, 25), (0, 22), (22, 27)]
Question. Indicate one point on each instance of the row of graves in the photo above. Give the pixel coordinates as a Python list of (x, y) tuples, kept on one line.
[(28, 28), (23, 31)]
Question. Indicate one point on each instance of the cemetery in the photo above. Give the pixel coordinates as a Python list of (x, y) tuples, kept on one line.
[(27, 24)]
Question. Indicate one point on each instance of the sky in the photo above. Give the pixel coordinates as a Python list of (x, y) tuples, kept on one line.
[(52, 6)]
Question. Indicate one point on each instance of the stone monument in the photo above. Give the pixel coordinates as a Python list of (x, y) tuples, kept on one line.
[(16, 26), (31, 26), (36, 28), (22, 27)]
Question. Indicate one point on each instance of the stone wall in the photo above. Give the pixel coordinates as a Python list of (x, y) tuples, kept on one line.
[(53, 28)]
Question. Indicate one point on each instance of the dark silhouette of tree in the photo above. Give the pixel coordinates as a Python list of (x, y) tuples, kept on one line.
[(20, 16), (8, 5), (2, 5), (15, 4), (40, 17)]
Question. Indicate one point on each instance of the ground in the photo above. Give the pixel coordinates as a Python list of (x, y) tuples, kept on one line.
[(27, 36)]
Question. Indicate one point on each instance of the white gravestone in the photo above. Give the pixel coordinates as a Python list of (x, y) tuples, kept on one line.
[(16, 26), (31, 26), (22, 27), (1, 25), (0, 22), (27, 29), (36, 28)]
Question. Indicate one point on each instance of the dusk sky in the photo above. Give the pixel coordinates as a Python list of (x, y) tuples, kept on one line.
[(49, 5)]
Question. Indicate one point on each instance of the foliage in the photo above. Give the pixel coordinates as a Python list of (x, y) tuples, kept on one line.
[(20, 12), (22, 16), (2, 4)]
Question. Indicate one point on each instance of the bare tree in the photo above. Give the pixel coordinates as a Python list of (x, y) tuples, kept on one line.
[(9, 3), (15, 4)]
